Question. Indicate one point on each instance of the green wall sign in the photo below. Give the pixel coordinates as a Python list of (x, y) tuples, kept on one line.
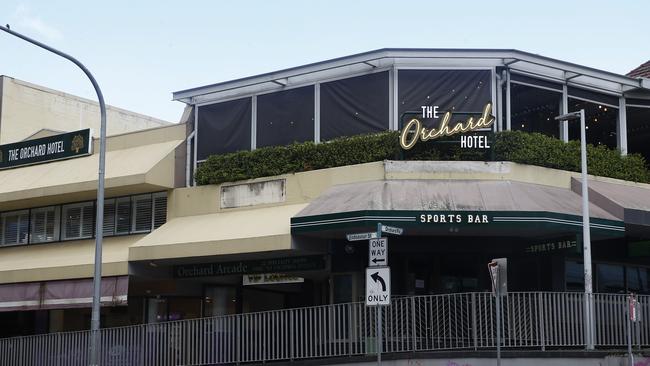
[(46, 149), (275, 265)]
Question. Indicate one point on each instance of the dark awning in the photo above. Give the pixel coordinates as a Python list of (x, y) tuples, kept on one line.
[(453, 207), (62, 294)]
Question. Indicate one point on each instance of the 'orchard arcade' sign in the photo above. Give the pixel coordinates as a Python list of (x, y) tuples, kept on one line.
[(414, 129), (46, 149)]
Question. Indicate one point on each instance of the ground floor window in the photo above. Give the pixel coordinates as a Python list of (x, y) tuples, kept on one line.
[(608, 278)]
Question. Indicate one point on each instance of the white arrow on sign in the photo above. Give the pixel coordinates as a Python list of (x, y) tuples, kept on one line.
[(361, 236), (377, 286), (392, 230), (378, 252)]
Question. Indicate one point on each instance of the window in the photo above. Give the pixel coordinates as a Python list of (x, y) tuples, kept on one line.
[(78, 220), (117, 216), (354, 105), (141, 214), (534, 109), (122, 215), (452, 90), (610, 278), (638, 131), (574, 276), (224, 127), (45, 224), (600, 122), (637, 280), (15, 227), (159, 209), (285, 117)]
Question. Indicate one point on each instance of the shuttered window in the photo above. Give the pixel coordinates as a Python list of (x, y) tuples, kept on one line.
[(122, 216), (45, 224), (142, 216), (109, 217), (15, 227), (159, 209), (78, 220)]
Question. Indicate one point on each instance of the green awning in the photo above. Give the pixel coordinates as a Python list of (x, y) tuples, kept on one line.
[(452, 207)]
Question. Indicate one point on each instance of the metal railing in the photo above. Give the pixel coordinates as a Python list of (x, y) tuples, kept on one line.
[(531, 320)]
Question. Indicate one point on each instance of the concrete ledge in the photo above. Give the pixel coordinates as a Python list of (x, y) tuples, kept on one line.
[(484, 357)]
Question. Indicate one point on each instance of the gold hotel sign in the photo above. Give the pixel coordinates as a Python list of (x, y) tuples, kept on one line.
[(414, 131)]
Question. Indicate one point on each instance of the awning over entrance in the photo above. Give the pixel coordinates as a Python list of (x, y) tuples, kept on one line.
[(222, 233), (627, 202), (62, 294), (453, 207)]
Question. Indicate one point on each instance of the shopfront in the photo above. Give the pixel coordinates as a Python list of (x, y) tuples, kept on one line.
[(456, 215), (277, 240)]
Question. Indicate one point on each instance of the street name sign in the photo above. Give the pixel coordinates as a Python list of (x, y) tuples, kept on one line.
[(378, 252), (377, 286), (361, 236), (391, 230)]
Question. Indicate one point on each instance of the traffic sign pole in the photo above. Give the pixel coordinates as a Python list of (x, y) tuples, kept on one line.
[(380, 310), (377, 274)]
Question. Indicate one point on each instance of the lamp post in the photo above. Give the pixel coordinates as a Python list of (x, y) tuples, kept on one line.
[(586, 237), (99, 228)]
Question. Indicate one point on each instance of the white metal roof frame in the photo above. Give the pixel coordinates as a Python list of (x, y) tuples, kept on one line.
[(515, 60)]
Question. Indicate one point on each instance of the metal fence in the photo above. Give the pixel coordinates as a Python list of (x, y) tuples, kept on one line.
[(531, 320)]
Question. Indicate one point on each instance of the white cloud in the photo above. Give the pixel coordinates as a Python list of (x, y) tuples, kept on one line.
[(23, 18)]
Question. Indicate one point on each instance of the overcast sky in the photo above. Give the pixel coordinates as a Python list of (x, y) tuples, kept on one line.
[(142, 51)]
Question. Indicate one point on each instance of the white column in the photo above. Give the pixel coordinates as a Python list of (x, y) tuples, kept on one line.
[(495, 98), (564, 109), (508, 102), (394, 99), (621, 127)]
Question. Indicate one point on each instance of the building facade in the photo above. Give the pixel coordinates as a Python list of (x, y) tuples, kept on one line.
[(175, 250), (26, 109)]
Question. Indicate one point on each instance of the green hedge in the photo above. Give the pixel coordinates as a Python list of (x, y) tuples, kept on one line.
[(516, 146)]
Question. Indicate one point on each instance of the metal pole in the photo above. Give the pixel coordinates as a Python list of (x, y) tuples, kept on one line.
[(380, 310), (497, 292), (99, 233), (586, 237), (630, 357), (379, 335)]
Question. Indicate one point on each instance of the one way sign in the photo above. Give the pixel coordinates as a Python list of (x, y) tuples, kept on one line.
[(377, 286), (378, 252)]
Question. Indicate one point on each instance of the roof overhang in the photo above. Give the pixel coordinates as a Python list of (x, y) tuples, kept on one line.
[(128, 170), (535, 65), (629, 202)]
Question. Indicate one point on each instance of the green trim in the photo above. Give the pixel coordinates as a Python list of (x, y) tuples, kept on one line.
[(441, 219)]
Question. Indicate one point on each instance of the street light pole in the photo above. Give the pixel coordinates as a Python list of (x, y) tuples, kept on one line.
[(99, 228), (586, 235)]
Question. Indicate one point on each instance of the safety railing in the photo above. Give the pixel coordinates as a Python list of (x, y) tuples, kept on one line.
[(531, 320)]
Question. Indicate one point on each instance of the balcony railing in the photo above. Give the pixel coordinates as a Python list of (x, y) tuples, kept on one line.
[(531, 320)]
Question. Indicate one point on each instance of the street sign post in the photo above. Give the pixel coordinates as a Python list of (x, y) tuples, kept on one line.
[(633, 317), (498, 269), (377, 273), (378, 252)]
